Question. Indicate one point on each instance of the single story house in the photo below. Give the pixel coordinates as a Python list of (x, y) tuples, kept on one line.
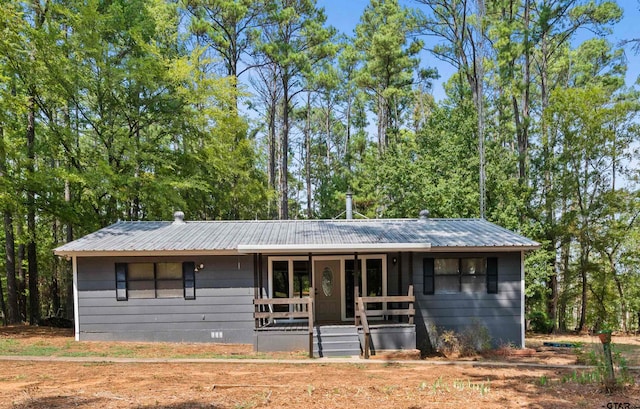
[(298, 284)]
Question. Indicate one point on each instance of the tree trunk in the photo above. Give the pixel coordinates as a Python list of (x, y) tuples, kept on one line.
[(66, 264), (561, 303), (3, 307), (583, 300), (382, 125), (347, 142), (307, 159), (552, 302), (284, 152), (12, 315), (32, 257), (54, 290), (623, 304), (22, 275), (327, 124)]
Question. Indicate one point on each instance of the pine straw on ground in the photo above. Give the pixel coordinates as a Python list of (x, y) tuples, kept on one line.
[(25, 384)]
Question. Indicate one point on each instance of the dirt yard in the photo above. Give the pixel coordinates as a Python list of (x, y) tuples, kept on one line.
[(434, 382)]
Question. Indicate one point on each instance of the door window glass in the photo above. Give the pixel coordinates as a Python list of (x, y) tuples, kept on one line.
[(280, 283), (301, 281)]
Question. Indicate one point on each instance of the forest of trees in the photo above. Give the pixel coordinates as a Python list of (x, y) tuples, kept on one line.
[(260, 109)]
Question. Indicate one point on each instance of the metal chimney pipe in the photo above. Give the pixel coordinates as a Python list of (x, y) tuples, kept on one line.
[(349, 213)]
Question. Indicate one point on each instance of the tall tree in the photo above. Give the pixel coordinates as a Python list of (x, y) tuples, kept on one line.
[(10, 110), (462, 27), (227, 26), (389, 60), (294, 39)]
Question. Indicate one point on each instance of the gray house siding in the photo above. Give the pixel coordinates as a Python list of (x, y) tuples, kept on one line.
[(500, 313), (222, 311), (223, 308)]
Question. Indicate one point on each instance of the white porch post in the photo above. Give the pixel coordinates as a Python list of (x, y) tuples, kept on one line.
[(76, 314), (522, 318)]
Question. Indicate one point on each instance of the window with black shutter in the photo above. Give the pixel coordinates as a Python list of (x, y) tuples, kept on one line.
[(121, 281), (492, 275), (189, 276), (428, 277), (460, 275), (155, 280)]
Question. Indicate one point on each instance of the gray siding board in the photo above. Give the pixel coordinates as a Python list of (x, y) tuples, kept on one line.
[(500, 313), (224, 301), (166, 335), (170, 309), (468, 309), (170, 321), (466, 314), (108, 299)]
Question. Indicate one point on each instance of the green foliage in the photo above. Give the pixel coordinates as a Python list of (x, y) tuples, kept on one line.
[(388, 63), (594, 356), (540, 322), (142, 107)]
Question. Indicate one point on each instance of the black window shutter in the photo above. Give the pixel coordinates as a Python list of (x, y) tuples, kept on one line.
[(492, 275), (427, 275), (189, 278), (121, 282)]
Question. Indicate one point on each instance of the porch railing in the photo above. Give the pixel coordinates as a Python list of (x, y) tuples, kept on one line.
[(296, 307), (362, 314)]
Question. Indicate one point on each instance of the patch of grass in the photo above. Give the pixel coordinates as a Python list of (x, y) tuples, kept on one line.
[(92, 364), (120, 351), (80, 354), (482, 387), (583, 377), (543, 381), (436, 387), (218, 356), (9, 346), (630, 353), (13, 347), (13, 378)]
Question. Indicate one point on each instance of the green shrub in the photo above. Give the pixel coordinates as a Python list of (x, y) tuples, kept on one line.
[(540, 322)]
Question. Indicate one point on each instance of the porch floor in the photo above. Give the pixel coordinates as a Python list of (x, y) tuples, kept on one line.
[(301, 325)]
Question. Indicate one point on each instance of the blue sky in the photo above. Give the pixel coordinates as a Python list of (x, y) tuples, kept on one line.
[(345, 14)]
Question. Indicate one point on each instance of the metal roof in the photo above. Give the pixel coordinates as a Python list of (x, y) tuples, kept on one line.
[(296, 236)]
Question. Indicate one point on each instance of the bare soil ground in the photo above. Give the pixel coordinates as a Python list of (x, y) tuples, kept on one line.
[(322, 384)]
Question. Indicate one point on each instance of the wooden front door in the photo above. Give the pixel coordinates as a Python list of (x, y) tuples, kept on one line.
[(328, 290)]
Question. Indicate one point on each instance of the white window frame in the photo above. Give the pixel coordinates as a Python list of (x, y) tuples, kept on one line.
[(342, 258), (290, 260), (362, 268)]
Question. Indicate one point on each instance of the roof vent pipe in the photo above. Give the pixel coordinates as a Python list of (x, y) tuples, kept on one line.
[(178, 217), (349, 214), (424, 215)]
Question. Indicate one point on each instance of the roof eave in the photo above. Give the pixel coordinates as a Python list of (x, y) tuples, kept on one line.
[(299, 249), (142, 253), (484, 249)]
